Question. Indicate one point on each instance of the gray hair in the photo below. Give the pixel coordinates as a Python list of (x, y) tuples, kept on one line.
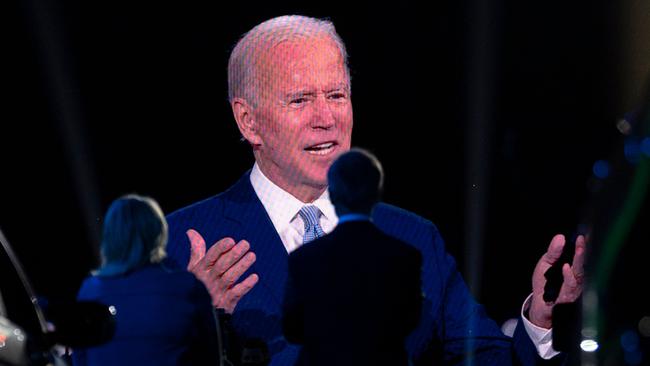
[(242, 65)]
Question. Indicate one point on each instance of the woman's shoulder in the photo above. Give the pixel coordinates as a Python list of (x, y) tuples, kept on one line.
[(166, 273), (155, 276)]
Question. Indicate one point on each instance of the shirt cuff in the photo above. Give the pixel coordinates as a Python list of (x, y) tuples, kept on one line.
[(542, 338)]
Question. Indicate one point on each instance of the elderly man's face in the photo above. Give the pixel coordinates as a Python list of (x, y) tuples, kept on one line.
[(304, 114)]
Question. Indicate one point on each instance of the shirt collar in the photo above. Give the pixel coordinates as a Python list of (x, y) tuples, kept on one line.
[(281, 206), (325, 206)]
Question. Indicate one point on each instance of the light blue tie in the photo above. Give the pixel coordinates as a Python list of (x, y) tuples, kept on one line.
[(310, 216)]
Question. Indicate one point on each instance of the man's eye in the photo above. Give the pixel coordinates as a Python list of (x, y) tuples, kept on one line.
[(338, 95), (298, 101)]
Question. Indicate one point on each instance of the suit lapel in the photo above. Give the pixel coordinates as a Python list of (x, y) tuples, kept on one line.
[(244, 207)]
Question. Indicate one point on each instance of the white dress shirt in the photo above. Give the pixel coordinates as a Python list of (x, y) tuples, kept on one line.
[(542, 338), (283, 209)]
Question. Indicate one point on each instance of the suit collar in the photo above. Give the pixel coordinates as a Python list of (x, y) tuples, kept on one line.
[(242, 205)]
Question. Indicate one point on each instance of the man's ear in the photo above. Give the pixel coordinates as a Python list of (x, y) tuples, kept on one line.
[(246, 122)]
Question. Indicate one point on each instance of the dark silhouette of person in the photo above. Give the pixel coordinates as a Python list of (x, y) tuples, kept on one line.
[(347, 311)]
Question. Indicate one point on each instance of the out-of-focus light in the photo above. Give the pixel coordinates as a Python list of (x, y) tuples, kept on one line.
[(632, 150), (645, 146), (508, 327), (589, 332), (601, 169), (623, 126), (644, 326), (629, 341), (633, 358), (112, 310), (589, 345), (19, 335)]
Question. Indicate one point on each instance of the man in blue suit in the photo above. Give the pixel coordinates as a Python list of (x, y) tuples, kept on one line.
[(289, 89)]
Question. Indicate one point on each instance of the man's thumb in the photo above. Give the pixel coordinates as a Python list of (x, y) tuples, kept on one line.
[(197, 247)]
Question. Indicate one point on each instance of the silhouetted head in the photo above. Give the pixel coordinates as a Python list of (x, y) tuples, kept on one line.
[(135, 234), (356, 181)]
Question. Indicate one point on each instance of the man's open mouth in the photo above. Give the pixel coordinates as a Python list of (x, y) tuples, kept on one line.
[(321, 149)]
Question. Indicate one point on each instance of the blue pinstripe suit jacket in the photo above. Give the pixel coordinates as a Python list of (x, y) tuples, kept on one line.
[(451, 323)]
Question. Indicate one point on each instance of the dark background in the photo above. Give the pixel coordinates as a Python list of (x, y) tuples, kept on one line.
[(108, 98)]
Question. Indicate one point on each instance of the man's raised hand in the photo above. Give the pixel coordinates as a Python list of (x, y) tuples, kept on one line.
[(220, 267), (573, 277)]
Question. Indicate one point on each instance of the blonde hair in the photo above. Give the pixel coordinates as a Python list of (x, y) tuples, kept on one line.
[(135, 234)]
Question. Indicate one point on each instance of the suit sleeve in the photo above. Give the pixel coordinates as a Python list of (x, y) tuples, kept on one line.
[(465, 329)]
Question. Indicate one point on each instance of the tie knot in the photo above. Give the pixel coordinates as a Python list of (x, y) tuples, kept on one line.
[(310, 216)]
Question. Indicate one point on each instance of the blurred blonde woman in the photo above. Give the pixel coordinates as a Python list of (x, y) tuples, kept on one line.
[(164, 315)]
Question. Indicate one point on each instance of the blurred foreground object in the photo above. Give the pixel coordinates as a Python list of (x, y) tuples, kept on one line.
[(25, 338)]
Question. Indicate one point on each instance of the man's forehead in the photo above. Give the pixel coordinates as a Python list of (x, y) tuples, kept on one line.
[(306, 47), (302, 57)]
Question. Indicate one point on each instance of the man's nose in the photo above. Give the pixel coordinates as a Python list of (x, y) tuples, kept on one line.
[(323, 116)]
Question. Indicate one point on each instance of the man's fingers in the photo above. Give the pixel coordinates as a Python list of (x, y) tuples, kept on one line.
[(217, 250), (571, 287), (241, 289), (227, 260), (554, 249), (197, 248), (232, 275), (220, 267), (573, 275), (579, 258)]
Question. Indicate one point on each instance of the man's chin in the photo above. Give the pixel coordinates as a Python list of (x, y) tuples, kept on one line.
[(307, 189), (316, 181), (319, 182)]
